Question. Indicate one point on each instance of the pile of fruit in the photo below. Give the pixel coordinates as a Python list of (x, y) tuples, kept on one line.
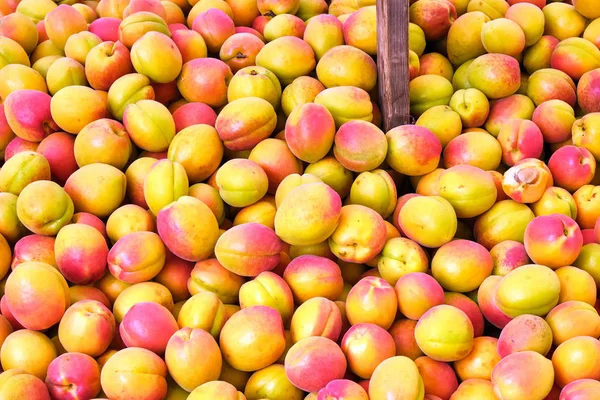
[(197, 202)]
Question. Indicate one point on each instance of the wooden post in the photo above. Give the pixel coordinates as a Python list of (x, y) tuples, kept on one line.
[(392, 62)]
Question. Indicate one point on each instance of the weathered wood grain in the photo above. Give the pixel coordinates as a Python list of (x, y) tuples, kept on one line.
[(392, 62)]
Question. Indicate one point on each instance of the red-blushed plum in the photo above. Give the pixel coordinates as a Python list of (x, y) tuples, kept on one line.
[(96, 188), (434, 19), (418, 292), (470, 190), (572, 319), (558, 235), (525, 333), (59, 149), (520, 139), (477, 148), (576, 359), (204, 311), (134, 373), (385, 381), (73, 375), (439, 379), (315, 227), (413, 150), (194, 113), (22, 169), (47, 302), (506, 220), (106, 28), (576, 285), (365, 347), (585, 199), (236, 192), (440, 341), (16, 352), (271, 382), (128, 219), (580, 389), (205, 80), (32, 124), (240, 50), (261, 249), (210, 276), (555, 119), (305, 364), (174, 275), (215, 389), (507, 256), (103, 141), (136, 25), (306, 268), (372, 300), (79, 293), (87, 327), (442, 224), (148, 325), (481, 361), (269, 289), (38, 248), (81, 253), (572, 167), (343, 388), (182, 236), (481, 389), (277, 161), (533, 380), (530, 289), (461, 265), (551, 84), (18, 384), (359, 236), (215, 27), (137, 257), (253, 338), (469, 307)]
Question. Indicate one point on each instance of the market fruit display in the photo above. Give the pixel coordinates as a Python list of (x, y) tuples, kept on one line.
[(199, 200)]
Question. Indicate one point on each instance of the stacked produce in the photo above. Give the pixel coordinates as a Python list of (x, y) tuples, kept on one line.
[(198, 202)]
